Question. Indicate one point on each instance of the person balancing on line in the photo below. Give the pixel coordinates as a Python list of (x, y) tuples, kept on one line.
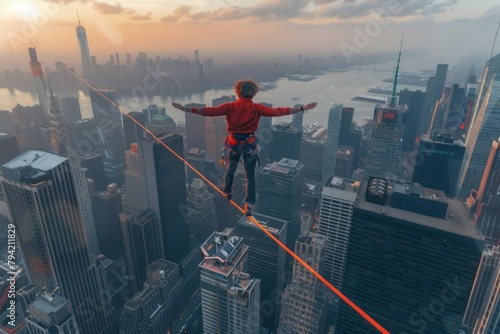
[(242, 118)]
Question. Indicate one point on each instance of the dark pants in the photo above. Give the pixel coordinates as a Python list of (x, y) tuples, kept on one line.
[(250, 161)]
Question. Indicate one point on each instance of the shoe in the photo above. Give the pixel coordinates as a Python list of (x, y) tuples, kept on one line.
[(229, 196), (248, 210)]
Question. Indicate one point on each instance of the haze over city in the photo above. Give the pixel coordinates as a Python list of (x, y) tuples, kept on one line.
[(236, 30)]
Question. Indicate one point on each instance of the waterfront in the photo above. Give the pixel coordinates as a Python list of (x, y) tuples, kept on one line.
[(328, 89)]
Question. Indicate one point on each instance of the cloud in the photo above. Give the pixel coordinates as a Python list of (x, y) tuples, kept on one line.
[(107, 9), (139, 17)]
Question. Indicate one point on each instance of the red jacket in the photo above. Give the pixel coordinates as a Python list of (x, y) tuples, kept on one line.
[(243, 115)]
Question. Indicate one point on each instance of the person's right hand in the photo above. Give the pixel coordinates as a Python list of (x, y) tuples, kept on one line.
[(178, 106), (310, 106)]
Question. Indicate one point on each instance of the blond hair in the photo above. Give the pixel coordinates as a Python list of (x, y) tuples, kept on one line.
[(246, 88)]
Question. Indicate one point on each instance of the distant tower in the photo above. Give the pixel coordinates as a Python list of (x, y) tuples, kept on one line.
[(215, 130), (37, 72), (332, 141), (286, 143), (6, 125), (312, 151), (81, 34), (134, 182), (384, 157), (230, 297)]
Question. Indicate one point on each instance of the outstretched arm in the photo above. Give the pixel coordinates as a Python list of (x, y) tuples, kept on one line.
[(273, 112), (205, 111)]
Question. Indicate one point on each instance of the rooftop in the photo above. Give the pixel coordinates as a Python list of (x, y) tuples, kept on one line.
[(271, 224), (458, 220), (285, 167), (222, 251), (441, 138), (39, 160)]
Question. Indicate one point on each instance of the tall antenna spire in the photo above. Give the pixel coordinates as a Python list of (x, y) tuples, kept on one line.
[(78, 15), (394, 87)]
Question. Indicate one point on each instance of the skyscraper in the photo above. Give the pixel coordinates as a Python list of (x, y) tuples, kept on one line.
[(37, 73), (435, 86), (229, 296), (83, 43), (312, 151), (286, 143), (484, 129), (414, 100), (161, 123), (280, 189), (51, 234), (9, 149), (215, 130), (438, 162), (489, 317), (109, 124), (51, 313), (384, 157), (412, 252), (195, 128), (201, 211), (106, 206), (134, 183), (153, 310), (350, 134), (142, 244), (335, 217), (6, 125), (332, 141), (303, 308), (266, 260), (94, 169), (130, 128), (71, 109), (482, 289), (344, 161), (165, 193)]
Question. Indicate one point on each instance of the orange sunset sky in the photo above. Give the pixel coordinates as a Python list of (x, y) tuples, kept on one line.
[(447, 29)]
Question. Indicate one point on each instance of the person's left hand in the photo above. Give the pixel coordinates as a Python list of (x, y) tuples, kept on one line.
[(178, 106), (310, 106)]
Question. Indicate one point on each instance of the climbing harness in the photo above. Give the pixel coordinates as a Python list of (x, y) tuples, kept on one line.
[(248, 145)]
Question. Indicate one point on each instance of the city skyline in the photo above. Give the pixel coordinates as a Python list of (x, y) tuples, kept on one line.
[(309, 28)]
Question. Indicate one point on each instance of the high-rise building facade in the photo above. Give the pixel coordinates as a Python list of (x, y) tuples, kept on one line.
[(94, 169), (303, 309), (133, 132), (286, 142), (141, 243), (350, 134), (134, 200), (438, 162), (266, 260), (6, 124), (312, 151), (335, 217), (201, 210), (280, 189), (215, 130), (52, 236), (415, 101), (412, 252), (484, 129), (165, 192), (344, 161), (71, 109), (332, 141), (230, 297), (51, 313), (482, 289), (435, 86), (195, 128), (106, 206), (384, 157), (153, 310), (109, 124)]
